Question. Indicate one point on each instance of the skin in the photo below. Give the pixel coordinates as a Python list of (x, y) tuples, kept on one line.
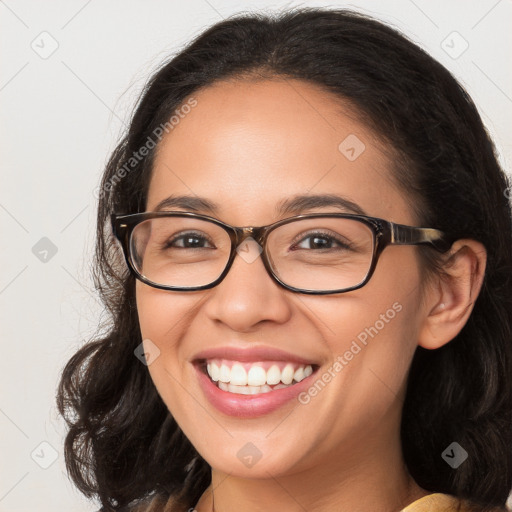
[(247, 145)]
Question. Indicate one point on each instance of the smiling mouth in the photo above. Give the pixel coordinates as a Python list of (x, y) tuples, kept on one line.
[(255, 378)]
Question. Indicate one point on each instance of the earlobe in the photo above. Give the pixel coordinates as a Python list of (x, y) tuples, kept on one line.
[(449, 304)]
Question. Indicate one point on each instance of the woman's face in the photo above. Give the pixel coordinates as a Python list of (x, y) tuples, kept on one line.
[(247, 146)]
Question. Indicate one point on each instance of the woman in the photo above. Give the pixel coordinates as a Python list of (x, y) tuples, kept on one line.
[(351, 351)]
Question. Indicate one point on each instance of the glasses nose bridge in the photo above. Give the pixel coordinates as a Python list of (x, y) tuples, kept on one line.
[(256, 233)]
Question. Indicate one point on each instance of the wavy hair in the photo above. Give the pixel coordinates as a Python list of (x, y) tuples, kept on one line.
[(123, 446)]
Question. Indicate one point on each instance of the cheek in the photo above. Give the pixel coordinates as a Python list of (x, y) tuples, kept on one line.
[(159, 313), (156, 319), (371, 340), (163, 322), (391, 317), (166, 318), (388, 306), (372, 334)]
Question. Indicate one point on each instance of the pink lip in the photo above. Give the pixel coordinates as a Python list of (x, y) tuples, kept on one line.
[(250, 354), (249, 406)]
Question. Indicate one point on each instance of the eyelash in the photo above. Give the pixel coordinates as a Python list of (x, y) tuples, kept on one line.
[(324, 234), (181, 236)]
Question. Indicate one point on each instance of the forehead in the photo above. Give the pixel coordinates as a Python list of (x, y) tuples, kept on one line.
[(248, 145)]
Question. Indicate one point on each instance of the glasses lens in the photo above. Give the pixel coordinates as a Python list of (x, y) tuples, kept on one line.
[(179, 251), (318, 254), (321, 253)]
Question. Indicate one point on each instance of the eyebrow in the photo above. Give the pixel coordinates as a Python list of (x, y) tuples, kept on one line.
[(293, 205), (193, 203), (297, 204)]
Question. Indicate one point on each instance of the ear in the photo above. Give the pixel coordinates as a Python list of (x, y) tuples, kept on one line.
[(449, 302)]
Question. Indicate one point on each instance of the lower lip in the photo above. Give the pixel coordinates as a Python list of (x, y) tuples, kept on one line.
[(249, 406)]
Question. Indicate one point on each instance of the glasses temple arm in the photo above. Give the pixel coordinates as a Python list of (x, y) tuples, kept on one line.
[(411, 235)]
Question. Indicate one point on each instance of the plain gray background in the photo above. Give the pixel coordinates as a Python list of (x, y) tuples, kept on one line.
[(71, 71)]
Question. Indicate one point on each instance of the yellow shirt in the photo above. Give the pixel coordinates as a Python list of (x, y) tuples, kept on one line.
[(436, 503)]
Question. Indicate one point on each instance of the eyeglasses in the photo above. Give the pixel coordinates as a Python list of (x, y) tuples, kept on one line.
[(315, 254)]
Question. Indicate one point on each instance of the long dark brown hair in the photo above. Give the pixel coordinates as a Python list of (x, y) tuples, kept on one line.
[(123, 445)]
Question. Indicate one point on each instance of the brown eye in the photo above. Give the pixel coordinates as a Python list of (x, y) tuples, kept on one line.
[(188, 241)]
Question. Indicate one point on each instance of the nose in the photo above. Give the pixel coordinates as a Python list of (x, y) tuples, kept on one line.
[(248, 295)]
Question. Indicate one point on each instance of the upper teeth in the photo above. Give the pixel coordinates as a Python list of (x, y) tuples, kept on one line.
[(255, 374)]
